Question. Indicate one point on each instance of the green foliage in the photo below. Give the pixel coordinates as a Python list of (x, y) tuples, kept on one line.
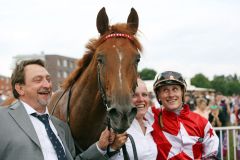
[(219, 83), (199, 80), (227, 85), (147, 74)]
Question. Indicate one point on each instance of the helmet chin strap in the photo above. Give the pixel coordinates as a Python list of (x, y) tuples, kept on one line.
[(178, 110)]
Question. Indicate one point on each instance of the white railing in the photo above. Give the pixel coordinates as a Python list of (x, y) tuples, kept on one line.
[(235, 133)]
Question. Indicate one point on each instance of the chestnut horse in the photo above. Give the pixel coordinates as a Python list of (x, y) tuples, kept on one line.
[(102, 84)]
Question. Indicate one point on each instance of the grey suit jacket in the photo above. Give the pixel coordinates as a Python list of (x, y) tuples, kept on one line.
[(19, 141)]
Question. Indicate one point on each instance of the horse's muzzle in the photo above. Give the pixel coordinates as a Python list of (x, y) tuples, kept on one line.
[(121, 118)]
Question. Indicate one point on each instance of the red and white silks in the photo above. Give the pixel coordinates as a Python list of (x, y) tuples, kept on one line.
[(184, 136)]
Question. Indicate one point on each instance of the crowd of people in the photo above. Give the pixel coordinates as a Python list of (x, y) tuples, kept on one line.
[(182, 128), (227, 106)]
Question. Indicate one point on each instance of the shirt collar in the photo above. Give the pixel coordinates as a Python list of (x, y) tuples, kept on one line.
[(146, 124), (30, 110)]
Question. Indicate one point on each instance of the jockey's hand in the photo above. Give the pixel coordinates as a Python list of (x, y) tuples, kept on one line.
[(104, 139), (119, 140)]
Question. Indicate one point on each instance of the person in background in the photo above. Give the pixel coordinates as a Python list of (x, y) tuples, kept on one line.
[(190, 100), (202, 108), (28, 132), (140, 128), (216, 118), (225, 110), (178, 132)]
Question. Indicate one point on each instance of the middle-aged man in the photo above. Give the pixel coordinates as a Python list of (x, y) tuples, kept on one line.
[(27, 132)]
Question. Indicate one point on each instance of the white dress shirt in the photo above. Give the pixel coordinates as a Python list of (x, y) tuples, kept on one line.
[(145, 145), (46, 145)]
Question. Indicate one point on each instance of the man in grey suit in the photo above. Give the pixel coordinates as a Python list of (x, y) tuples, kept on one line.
[(25, 137)]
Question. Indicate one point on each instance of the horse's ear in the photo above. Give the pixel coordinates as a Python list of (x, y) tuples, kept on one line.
[(132, 20), (102, 21)]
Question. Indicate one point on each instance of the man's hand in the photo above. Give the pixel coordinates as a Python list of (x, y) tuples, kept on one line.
[(110, 138), (119, 140), (104, 139)]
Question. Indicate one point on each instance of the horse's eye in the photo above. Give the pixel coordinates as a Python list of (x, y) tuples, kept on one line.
[(100, 59), (138, 59)]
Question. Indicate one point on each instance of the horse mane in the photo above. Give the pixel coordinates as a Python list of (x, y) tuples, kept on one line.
[(91, 47)]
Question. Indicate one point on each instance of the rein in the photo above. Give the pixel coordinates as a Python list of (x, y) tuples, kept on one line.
[(69, 89), (55, 105), (101, 89)]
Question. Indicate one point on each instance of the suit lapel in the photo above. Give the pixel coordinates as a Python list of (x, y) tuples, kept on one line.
[(21, 117)]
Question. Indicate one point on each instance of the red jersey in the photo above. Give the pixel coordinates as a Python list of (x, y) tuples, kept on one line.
[(183, 136)]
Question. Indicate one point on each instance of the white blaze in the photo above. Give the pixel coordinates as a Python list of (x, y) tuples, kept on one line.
[(120, 66)]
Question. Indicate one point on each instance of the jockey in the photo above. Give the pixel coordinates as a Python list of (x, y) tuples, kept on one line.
[(178, 132)]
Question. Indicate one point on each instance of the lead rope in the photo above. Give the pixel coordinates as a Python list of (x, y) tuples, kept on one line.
[(133, 147), (125, 153)]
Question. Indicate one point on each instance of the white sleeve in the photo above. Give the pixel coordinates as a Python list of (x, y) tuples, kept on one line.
[(210, 142)]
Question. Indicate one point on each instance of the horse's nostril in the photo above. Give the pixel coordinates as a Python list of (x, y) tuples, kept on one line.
[(113, 112), (132, 114), (133, 111)]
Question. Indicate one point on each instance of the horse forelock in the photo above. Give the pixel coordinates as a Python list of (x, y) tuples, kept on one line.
[(91, 47)]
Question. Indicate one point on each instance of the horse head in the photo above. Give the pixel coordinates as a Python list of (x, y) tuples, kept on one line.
[(117, 57)]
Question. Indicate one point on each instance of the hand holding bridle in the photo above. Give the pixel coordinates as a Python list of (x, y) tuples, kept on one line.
[(104, 140), (119, 141)]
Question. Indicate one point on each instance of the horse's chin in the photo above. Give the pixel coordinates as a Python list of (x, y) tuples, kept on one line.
[(119, 131), (119, 127)]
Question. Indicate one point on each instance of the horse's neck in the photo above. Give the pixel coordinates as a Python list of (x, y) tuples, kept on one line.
[(87, 111), (85, 89)]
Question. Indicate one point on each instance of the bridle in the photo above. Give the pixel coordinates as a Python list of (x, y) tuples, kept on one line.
[(103, 95), (104, 99), (102, 89), (100, 86)]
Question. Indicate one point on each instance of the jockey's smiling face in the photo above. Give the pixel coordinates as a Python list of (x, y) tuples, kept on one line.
[(170, 96)]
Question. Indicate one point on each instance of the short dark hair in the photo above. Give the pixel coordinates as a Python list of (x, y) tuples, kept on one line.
[(18, 73)]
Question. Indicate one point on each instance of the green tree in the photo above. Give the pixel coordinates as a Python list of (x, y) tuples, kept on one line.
[(233, 85), (227, 85), (199, 80), (147, 74), (219, 83)]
